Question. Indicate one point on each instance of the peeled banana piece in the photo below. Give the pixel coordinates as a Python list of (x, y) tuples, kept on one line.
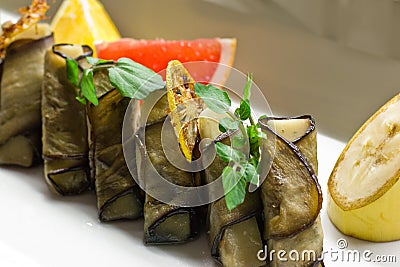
[(364, 188)]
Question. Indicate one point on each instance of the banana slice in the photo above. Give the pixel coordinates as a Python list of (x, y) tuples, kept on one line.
[(363, 186), (184, 105)]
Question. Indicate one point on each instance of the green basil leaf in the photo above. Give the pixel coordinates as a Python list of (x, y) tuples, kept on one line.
[(254, 162), (227, 153), (244, 111), (134, 80), (234, 188), (250, 173), (214, 98), (238, 140), (98, 61), (81, 99), (254, 141), (72, 71), (247, 87), (228, 124), (87, 87), (221, 128)]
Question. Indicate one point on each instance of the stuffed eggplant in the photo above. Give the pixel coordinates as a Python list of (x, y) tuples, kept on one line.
[(163, 223), (118, 196), (20, 94), (65, 143), (234, 236), (291, 193)]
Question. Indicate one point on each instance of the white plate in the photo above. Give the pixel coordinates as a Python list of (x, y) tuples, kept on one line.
[(40, 229)]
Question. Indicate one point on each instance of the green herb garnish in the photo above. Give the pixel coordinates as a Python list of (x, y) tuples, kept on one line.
[(234, 187), (244, 170), (72, 71), (87, 86), (134, 80), (215, 99), (131, 79), (243, 112), (227, 153), (226, 124)]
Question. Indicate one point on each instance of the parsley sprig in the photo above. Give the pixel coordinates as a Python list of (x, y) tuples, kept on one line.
[(131, 79), (244, 170)]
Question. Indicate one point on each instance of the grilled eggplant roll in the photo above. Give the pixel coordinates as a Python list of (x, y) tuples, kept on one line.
[(234, 236), (20, 93), (65, 145), (163, 223), (291, 194), (118, 196)]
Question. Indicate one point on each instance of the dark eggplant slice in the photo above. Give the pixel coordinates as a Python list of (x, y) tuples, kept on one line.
[(164, 223), (65, 145), (20, 94), (118, 196), (234, 236), (291, 193)]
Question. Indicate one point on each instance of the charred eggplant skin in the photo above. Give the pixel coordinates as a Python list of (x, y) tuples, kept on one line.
[(163, 223), (185, 220), (65, 144), (301, 148), (271, 184), (157, 214), (20, 93)]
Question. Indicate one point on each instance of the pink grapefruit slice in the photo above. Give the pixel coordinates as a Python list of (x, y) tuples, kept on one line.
[(155, 54)]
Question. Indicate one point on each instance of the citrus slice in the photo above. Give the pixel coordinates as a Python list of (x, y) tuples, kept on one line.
[(364, 186), (155, 54), (185, 106), (83, 22)]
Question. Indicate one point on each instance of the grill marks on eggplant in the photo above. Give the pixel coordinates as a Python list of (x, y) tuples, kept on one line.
[(20, 93), (65, 144), (291, 194)]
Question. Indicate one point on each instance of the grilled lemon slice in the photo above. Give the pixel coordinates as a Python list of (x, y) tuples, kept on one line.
[(185, 107)]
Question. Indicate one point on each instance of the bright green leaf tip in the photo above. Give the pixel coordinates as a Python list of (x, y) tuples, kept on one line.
[(215, 99)]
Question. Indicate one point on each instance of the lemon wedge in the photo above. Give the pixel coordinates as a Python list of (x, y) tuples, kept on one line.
[(364, 187), (83, 22)]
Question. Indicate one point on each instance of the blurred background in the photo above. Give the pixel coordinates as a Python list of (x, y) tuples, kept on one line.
[(338, 60)]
